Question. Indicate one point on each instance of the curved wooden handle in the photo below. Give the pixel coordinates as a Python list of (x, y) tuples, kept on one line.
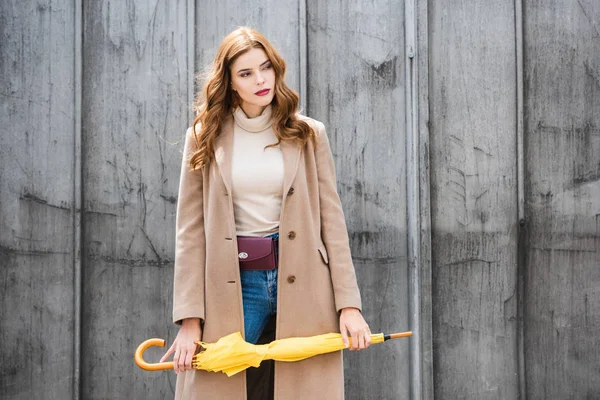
[(139, 356)]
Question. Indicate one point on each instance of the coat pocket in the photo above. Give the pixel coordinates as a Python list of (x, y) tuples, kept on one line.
[(324, 256)]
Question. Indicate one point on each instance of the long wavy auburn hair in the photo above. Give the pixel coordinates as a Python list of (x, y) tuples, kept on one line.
[(217, 100)]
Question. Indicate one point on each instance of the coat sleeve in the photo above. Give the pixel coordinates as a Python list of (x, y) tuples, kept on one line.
[(333, 227), (190, 241)]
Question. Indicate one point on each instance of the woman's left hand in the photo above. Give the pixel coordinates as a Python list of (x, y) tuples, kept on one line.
[(353, 323)]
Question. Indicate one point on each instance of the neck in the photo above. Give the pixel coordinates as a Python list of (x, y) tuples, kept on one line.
[(259, 123), (251, 110)]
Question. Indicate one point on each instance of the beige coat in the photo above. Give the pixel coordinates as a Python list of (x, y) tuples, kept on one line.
[(316, 274)]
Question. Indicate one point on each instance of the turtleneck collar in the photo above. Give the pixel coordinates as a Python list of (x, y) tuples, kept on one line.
[(254, 125)]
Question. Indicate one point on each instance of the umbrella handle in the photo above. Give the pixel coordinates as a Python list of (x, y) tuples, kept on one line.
[(139, 356), (397, 335)]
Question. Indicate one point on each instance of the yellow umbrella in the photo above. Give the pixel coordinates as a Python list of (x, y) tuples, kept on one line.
[(232, 354)]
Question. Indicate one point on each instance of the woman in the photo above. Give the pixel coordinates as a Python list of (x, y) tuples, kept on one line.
[(253, 167)]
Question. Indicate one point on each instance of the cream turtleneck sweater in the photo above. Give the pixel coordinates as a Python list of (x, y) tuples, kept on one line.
[(256, 175)]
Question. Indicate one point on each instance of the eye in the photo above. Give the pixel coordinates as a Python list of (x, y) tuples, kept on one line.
[(245, 74), (268, 66)]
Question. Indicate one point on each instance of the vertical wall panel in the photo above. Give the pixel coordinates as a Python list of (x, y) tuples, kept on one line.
[(473, 198), (425, 284), (135, 112), (277, 20), (356, 87), (36, 196), (562, 127)]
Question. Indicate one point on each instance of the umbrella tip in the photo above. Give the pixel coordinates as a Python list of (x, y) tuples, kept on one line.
[(397, 335)]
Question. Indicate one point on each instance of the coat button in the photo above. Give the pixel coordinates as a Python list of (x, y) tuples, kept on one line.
[(291, 279), (291, 191), (292, 235)]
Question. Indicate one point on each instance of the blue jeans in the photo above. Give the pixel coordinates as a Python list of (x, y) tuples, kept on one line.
[(259, 294)]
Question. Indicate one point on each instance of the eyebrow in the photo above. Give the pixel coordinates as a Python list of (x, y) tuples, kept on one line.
[(248, 69)]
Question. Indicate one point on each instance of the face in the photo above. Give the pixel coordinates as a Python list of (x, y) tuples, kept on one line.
[(253, 78)]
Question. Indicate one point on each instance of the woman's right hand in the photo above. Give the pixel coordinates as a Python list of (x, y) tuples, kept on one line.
[(184, 345)]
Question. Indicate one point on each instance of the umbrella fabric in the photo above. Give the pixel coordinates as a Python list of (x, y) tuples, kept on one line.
[(231, 354)]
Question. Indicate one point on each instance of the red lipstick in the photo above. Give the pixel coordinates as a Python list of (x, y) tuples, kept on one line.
[(262, 92)]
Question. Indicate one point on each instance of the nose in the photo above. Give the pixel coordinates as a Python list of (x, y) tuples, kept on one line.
[(259, 79)]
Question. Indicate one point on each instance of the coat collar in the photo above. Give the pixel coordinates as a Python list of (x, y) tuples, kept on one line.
[(224, 149)]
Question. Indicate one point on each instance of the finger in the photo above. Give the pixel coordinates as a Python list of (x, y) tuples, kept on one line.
[(354, 333), (182, 358), (176, 361), (363, 341), (368, 338), (344, 332), (188, 359), (168, 353)]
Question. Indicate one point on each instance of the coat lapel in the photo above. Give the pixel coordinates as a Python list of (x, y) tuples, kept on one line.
[(291, 155), (224, 151)]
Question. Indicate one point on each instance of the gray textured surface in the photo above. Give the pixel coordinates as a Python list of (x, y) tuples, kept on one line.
[(118, 127), (36, 196), (562, 142), (356, 87), (134, 116), (277, 20), (473, 199)]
